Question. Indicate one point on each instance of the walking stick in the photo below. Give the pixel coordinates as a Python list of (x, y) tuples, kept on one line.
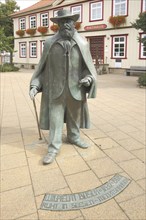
[(34, 104)]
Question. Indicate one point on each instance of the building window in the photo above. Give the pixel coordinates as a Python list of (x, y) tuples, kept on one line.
[(55, 12), (22, 49), (44, 20), (42, 46), (142, 48), (120, 7), (77, 10), (22, 24), (143, 5), (119, 46), (33, 49), (96, 11), (32, 21)]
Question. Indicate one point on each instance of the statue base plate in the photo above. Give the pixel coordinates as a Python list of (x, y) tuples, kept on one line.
[(101, 194)]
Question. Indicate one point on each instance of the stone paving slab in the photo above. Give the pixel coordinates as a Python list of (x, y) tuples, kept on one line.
[(117, 139)]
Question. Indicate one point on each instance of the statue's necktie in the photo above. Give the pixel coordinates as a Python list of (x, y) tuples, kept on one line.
[(67, 46)]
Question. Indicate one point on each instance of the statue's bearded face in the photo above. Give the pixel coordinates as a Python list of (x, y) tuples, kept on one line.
[(66, 28)]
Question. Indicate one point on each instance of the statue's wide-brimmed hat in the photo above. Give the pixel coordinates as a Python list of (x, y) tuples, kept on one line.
[(64, 14)]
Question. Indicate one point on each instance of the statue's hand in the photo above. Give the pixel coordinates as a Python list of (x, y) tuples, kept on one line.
[(85, 81), (33, 92)]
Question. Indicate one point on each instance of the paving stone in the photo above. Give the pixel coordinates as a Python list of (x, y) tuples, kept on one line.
[(107, 127), (141, 154), (135, 168), (83, 181), (135, 208), (139, 136), (13, 161), (8, 123), (130, 144), (10, 138), (117, 135), (119, 154), (106, 211), (105, 143), (127, 128), (30, 139), (26, 124), (30, 130), (29, 217), (48, 180), (104, 167), (80, 218), (17, 203), (67, 150), (116, 122), (131, 191), (64, 215), (10, 129), (137, 124), (34, 149), (12, 148), (94, 134), (91, 153), (36, 164), (107, 178), (14, 178), (97, 121), (71, 165), (142, 183)]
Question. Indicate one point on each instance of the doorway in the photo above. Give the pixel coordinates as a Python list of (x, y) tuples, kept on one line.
[(97, 49)]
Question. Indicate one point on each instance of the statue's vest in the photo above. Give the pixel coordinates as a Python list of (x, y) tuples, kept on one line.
[(65, 69)]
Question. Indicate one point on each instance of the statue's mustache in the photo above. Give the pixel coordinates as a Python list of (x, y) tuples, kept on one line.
[(66, 27)]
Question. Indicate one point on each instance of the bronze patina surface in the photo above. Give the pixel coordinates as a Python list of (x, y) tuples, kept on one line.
[(101, 194)]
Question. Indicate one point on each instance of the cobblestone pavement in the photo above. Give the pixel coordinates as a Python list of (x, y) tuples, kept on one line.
[(117, 138)]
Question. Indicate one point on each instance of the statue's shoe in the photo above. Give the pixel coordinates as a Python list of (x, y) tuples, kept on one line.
[(49, 158), (79, 143)]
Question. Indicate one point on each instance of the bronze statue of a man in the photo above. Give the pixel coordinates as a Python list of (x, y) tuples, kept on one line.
[(65, 76)]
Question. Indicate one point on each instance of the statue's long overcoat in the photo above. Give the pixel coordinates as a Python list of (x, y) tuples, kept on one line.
[(42, 78)]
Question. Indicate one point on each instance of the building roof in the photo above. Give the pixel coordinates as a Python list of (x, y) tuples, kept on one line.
[(43, 4), (38, 5)]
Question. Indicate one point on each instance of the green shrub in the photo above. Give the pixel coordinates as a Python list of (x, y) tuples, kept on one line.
[(142, 79), (8, 68)]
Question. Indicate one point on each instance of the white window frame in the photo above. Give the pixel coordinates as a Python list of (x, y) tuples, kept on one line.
[(22, 23), (142, 48), (22, 49), (143, 5), (32, 20), (77, 10), (33, 49), (120, 7), (45, 20), (119, 47), (96, 8)]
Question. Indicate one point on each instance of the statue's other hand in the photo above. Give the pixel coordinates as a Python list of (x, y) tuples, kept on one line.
[(85, 82), (33, 92)]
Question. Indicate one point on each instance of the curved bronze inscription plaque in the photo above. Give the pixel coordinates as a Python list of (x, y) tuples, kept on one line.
[(59, 202)]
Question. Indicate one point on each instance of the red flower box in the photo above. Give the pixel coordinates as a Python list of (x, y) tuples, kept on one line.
[(77, 25), (54, 27), (117, 20), (31, 31), (42, 29), (20, 33)]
